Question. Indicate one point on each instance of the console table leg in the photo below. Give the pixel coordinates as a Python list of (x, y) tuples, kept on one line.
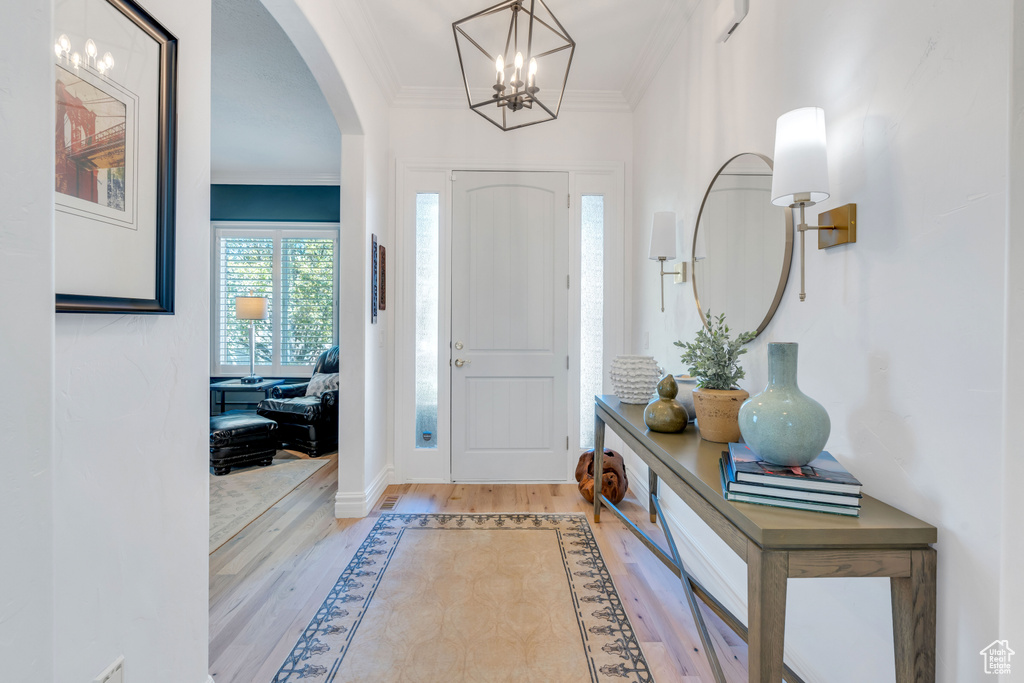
[(767, 572), (652, 492), (913, 619), (598, 465)]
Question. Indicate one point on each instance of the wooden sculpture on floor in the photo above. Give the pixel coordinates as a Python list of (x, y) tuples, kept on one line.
[(613, 474)]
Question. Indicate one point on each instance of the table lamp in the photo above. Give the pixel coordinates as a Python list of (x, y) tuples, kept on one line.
[(251, 308)]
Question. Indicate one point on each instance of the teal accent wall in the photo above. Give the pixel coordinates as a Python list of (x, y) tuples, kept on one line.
[(278, 203)]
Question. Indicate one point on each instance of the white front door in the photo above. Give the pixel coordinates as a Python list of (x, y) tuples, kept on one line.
[(510, 341)]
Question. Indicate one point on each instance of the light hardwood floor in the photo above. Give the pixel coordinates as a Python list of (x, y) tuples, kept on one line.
[(268, 581)]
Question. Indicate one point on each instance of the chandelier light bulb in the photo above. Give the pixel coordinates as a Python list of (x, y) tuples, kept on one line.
[(90, 48), (76, 59), (533, 67), (108, 59), (64, 42), (57, 49), (101, 67), (499, 64), (519, 61)]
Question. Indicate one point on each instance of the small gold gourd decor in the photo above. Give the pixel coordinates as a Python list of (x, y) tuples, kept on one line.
[(665, 414)]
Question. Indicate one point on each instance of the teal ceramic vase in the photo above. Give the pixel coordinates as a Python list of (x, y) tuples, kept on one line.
[(783, 425)]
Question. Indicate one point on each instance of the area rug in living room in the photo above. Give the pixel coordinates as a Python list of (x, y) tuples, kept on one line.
[(237, 498), (471, 597)]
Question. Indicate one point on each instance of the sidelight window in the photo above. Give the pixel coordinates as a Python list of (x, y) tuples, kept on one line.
[(591, 311), (428, 222)]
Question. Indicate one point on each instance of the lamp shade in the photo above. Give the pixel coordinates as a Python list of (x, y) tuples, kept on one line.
[(801, 162), (663, 236), (251, 307)]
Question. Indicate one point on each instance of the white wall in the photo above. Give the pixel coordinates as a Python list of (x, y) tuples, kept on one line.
[(902, 335), (595, 146), (1011, 616), (320, 30), (26, 342), (131, 509), (459, 134)]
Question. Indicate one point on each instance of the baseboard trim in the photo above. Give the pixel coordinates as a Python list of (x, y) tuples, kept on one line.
[(358, 505), (706, 571), (377, 486)]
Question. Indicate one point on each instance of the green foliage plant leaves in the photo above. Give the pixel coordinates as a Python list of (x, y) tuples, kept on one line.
[(712, 357)]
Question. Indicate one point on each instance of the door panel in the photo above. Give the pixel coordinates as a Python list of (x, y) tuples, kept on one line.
[(509, 314)]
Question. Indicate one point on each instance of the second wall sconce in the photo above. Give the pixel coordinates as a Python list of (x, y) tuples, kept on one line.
[(800, 179), (663, 248)]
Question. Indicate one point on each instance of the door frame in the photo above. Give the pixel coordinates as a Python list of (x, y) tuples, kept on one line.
[(412, 176)]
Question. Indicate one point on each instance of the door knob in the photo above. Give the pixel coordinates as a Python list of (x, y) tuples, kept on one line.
[(459, 362), (458, 346)]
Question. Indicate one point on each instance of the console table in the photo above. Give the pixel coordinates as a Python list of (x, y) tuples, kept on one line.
[(779, 544)]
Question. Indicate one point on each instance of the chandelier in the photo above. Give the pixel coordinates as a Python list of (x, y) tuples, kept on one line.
[(530, 47)]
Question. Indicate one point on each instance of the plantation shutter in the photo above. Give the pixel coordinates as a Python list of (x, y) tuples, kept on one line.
[(246, 269), (307, 298)]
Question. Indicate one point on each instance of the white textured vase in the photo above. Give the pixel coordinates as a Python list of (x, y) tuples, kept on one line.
[(635, 378)]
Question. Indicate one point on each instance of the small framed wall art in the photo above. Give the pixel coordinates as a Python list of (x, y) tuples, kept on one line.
[(373, 278), (382, 302), (115, 86)]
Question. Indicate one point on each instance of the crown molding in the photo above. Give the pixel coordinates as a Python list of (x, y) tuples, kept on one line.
[(273, 178), (422, 97), (366, 36), (595, 100), (674, 17)]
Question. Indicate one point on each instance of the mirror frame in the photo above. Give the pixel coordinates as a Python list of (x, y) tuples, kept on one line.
[(787, 261)]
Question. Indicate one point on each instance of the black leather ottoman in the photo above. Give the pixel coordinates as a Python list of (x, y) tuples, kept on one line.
[(241, 437)]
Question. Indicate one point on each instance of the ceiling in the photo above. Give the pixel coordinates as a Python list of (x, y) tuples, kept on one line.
[(270, 122), (619, 46)]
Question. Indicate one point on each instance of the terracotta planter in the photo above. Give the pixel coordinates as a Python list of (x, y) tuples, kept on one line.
[(717, 413)]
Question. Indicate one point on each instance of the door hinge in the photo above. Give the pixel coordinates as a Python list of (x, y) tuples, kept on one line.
[(567, 282), (567, 443), (568, 199), (567, 362)]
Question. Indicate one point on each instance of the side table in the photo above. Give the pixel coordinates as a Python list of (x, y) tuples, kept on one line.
[(236, 385)]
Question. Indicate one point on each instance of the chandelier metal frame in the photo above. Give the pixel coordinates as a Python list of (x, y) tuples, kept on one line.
[(518, 94)]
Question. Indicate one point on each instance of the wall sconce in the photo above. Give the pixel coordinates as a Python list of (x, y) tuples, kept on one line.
[(663, 248), (800, 179)]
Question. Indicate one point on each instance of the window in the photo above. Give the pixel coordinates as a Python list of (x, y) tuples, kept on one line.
[(427, 292), (591, 312), (296, 270)]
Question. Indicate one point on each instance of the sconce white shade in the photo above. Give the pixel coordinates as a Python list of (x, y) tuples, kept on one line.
[(251, 308), (801, 162), (663, 236)]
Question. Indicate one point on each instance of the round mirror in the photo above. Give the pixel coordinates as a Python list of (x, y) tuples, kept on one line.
[(742, 246)]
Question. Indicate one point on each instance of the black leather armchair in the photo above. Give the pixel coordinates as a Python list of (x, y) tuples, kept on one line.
[(306, 423)]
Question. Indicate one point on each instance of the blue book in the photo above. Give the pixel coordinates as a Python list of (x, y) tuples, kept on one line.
[(824, 473), (789, 503)]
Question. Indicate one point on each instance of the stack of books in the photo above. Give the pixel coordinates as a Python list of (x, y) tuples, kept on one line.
[(823, 485)]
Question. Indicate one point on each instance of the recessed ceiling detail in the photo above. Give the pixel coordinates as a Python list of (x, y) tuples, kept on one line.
[(620, 47)]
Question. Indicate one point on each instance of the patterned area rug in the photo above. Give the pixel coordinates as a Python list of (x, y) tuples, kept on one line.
[(473, 598), (237, 498)]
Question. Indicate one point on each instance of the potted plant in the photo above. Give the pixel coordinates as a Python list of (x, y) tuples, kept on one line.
[(713, 358)]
